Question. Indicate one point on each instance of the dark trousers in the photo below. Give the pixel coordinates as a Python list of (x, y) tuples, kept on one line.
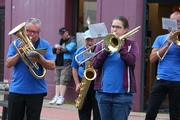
[(90, 104), (159, 91), (19, 103)]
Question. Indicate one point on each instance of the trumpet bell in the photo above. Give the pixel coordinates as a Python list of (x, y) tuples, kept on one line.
[(176, 38)]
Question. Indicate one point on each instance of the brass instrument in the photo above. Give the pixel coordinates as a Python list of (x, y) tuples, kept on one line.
[(26, 48), (176, 41), (111, 42), (89, 75), (176, 38)]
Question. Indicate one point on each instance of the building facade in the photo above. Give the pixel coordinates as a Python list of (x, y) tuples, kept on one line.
[(74, 14)]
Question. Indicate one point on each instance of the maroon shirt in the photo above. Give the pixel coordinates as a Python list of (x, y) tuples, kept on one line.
[(129, 57)]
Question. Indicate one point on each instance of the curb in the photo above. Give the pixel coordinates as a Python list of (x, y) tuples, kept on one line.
[(72, 107)]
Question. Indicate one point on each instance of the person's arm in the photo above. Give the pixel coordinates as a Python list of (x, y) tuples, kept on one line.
[(69, 48), (35, 57), (157, 54), (99, 59), (56, 49), (76, 79), (48, 64), (130, 56), (11, 61), (13, 56)]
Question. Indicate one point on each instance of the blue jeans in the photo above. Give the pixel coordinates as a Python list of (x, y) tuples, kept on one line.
[(159, 91), (114, 106)]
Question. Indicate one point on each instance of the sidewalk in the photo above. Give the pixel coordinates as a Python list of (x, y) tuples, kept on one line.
[(69, 112)]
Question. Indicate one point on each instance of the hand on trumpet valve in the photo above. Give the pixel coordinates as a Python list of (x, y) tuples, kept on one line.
[(171, 37), (20, 47), (123, 41), (106, 47)]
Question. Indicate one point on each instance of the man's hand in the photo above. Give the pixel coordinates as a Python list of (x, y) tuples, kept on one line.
[(20, 47), (58, 48), (78, 86), (171, 37), (34, 56)]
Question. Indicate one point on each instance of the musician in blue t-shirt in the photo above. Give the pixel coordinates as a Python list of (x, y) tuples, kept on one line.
[(90, 103), (27, 91), (167, 81)]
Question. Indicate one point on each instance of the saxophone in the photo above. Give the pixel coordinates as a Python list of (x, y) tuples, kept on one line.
[(89, 75)]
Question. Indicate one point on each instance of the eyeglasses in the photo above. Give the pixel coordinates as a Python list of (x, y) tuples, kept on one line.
[(30, 31), (117, 27)]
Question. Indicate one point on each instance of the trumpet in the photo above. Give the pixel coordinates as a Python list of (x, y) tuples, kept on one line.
[(111, 42)]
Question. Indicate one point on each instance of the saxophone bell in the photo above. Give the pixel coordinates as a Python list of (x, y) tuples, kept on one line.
[(89, 74)]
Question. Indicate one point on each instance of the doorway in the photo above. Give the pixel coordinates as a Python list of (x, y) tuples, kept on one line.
[(87, 14), (156, 9)]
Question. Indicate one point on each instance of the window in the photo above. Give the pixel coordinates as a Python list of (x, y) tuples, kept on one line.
[(87, 13)]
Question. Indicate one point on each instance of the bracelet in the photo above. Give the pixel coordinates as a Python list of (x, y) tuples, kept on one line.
[(158, 55)]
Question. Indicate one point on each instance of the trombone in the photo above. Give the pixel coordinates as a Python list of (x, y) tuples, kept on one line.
[(90, 57), (176, 41), (111, 42)]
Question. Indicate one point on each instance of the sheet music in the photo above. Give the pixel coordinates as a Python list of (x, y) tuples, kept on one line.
[(98, 30), (169, 24)]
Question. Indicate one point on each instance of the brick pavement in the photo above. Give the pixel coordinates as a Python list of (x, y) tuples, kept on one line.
[(69, 112)]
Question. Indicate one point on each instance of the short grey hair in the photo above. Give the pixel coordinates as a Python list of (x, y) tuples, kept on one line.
[(34, 21)]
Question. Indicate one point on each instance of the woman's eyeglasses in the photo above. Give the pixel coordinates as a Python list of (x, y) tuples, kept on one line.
[(117, 27)]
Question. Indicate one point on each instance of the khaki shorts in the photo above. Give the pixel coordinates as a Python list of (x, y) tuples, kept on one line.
[(63, 75)]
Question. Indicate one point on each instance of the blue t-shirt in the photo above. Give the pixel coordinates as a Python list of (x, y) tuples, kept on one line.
[(169, 67), (113, 74), (23, 82), (80, 59)]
